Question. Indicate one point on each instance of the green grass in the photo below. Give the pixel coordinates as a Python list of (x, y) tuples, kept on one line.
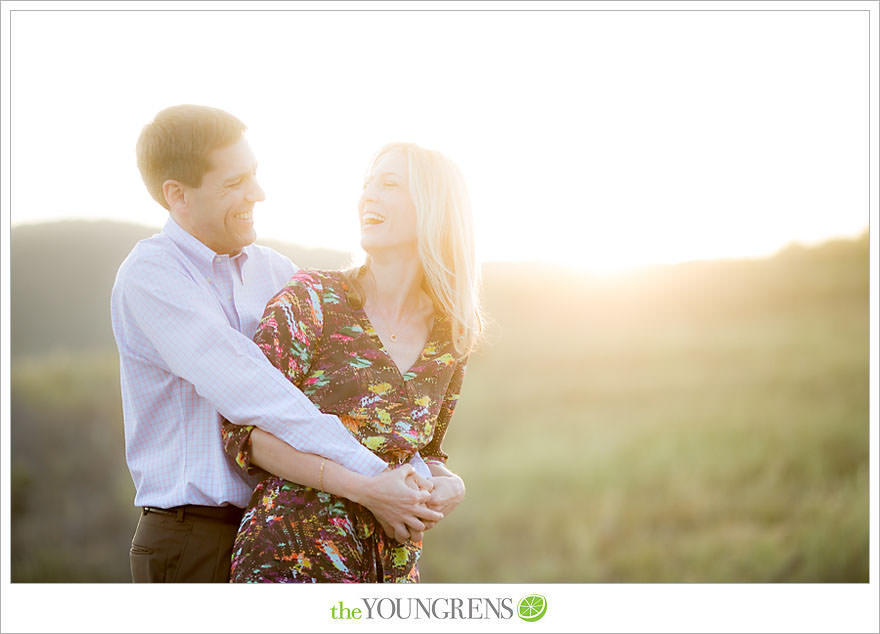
[(699, 424), (656, 446)]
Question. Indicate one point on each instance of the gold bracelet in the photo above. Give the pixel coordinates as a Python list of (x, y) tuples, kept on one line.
[(321, 476)]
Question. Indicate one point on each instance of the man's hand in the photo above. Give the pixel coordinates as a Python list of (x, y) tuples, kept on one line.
[(398, 498), (448, 492)]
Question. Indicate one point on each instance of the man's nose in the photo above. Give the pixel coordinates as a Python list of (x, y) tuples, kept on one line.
[(256, 193)]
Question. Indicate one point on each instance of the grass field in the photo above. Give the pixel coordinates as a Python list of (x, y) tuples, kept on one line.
[(705, 423), (631, 435)]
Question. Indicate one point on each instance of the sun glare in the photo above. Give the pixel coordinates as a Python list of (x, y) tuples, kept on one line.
[(602, 143)]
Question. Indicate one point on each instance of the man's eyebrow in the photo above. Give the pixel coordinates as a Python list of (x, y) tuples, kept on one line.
[(240, 175)]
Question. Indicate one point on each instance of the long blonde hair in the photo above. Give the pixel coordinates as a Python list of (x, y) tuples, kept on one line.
[(445, 241)]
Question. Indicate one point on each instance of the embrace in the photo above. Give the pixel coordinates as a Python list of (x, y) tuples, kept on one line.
[(283, 424)]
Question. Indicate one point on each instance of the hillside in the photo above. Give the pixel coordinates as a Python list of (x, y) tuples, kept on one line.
[(62, 274), (704, 422)]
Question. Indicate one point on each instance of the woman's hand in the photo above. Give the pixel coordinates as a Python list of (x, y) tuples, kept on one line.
[(448, 492), (398, 499)]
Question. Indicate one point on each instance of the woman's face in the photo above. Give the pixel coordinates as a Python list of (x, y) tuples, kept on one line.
[(386, 209)]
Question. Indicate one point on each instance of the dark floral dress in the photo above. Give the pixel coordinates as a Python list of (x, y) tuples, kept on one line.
[(315, 335)]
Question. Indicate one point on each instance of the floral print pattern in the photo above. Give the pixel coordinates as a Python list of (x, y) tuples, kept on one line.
[(313, 331)]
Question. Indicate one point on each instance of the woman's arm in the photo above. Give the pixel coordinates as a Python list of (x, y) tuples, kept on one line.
[(396, 497)]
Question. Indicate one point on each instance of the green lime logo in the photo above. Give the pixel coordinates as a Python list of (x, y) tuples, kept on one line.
[(532, 608)]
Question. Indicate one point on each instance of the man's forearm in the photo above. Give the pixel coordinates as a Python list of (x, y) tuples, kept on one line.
[(230, 371)]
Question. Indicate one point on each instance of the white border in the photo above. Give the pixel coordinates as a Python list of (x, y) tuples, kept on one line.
[(572, 607)]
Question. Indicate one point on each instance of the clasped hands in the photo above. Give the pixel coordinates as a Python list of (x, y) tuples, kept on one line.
[(406, 504)]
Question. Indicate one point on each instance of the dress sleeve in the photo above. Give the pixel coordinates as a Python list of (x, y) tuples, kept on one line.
[(237, 445), (433, 452), (288, 335)]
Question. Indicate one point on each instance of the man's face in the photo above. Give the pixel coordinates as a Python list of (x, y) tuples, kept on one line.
[(220, 213)]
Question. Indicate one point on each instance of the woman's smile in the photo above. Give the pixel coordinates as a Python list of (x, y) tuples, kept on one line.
[(371, 218)]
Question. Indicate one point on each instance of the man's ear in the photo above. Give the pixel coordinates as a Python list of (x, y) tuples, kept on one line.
[(174, 193)]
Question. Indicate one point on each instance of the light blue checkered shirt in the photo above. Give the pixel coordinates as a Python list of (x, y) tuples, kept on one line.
[(183, 317)]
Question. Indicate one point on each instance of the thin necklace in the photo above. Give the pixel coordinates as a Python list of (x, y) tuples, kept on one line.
[(392, 336)]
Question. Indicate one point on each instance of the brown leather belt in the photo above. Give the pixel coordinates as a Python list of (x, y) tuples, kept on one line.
[(226, 514)]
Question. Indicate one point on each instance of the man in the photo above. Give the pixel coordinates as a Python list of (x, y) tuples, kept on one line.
[(184, 306)]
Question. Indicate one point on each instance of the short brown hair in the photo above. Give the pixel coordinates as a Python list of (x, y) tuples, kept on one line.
[(177, 143)]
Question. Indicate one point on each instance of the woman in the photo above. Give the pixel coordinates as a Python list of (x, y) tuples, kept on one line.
[(383, 347)]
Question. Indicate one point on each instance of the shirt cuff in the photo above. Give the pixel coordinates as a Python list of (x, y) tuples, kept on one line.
[(420, 466)]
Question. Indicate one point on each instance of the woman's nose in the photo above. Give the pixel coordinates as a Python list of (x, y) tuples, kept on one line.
[(367, 196)]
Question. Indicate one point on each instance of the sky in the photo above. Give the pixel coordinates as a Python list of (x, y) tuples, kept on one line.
[(604, 140)]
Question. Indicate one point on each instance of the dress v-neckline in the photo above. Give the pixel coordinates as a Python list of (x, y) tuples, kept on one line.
[(371, 331)]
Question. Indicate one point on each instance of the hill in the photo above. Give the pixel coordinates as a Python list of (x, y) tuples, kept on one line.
[(62, 274), (704, 422)]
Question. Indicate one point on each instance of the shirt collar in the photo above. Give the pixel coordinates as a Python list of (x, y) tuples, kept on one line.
[(195, 250)]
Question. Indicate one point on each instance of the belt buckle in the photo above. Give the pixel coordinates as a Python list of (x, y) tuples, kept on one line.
[(179, 512)]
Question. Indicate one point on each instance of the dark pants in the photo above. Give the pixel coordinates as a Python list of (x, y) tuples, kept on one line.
[(185, 544)]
